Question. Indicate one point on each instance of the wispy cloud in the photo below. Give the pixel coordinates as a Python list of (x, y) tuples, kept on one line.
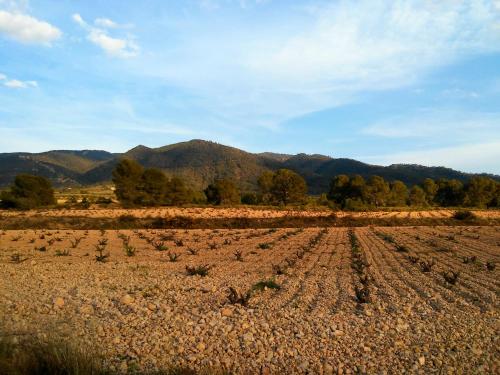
[(329, 55), (27, 29), (117, 47), (436, 124), (15, 83), (377, 44)]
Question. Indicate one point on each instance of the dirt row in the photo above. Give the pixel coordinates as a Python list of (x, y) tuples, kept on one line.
[(239, 212)]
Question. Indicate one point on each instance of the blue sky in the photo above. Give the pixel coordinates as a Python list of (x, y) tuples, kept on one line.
[(379, 81)]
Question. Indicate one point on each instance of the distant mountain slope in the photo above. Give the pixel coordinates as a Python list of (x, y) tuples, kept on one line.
[(63, 167), (200, 162)]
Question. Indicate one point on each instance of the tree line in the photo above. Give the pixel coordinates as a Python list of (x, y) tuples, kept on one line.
[(139, 186), (354, 192)]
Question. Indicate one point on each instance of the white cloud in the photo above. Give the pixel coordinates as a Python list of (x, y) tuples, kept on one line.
[(106, 22), (16, 84), (27, 29), (116, 47), (79, 20), (322, 57), (113, 46), (377, 44)]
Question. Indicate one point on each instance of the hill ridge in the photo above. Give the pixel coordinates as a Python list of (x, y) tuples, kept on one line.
[(200, 162)]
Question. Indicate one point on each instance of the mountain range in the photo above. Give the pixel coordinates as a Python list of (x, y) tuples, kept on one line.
[(200, 162)]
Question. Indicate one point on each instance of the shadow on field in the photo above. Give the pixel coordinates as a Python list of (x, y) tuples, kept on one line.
[(28, 355), (186, 222)]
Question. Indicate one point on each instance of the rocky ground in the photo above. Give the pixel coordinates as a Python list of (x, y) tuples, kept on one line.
[(145, 311)]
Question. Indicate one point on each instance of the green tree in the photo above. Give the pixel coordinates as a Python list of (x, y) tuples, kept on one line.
[(417, 196), (177, 193), (27, 192), (352, 190), (449, 193), (222, 192), (127, 177), (152, 189), (399, 194), (480, 192), (430, 189), (265, 182), (377, 191), (357, 187), (288, 187), (339, 189)]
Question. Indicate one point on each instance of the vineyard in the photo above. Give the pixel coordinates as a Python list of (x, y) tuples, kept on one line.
[(295, 300)]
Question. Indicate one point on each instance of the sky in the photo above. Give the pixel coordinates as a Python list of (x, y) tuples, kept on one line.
[(378, 81)]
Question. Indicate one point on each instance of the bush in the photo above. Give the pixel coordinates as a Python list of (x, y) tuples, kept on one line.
[(464, 215), (222, 192), (354, 205), (362, 294), (451, 277), (269, 284), (250, 199), (103, 201), (28, 192), (236, 297), (198, 270)]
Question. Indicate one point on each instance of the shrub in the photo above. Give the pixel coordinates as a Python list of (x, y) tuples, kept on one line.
[(264, 246), (468, 260), (159, 245), (198, 270), (413, 259), (101, 256), (464, 215), (236, 297), (250, 198), (85, 203), (129, 250), (262, 285), (401, 249), (103, 201), (451, 277), (28, 192), (74, 243), (362, 294), (222, 192), (192, 251), (62, 253), (103, 242), (17, 258), (490, 266), (426, 265), (279, 269), (238, 254), (173, 257)]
